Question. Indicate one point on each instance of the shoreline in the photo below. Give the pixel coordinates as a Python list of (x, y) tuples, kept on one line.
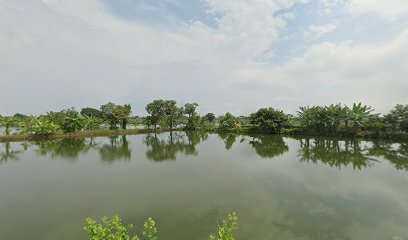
[(81, 134)]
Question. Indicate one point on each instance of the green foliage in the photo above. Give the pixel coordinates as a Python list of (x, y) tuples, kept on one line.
[(59, 117), (172, 114), (332, 119), (113, 229), (92, 123), (109, 115), (270, 120), (123, 114), (398, 118), (42, 126), (226, 228), (150, 230), (7, 123), (73, 123), (108, 229), (209, 118), (190, 109), (359, 113), (156, 111), (226, 122), (91, 112), (115, 114), (194, 122), (164, 113)]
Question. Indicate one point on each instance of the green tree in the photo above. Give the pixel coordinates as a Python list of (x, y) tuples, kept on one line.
[(193, 119), (270, 120), (59, 117), (91, 112), (398, 118), (190, 109), (209, 118), (172, 113), (156, 111), (226, 122), (110, 114), (123, 114)]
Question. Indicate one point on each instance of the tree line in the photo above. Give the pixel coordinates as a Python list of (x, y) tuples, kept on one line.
[(331, 120)]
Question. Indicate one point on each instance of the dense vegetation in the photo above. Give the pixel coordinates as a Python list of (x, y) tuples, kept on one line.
[(113, 229), (334, 120)]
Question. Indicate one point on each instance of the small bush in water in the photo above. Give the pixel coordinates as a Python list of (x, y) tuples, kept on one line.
[(113, 229)]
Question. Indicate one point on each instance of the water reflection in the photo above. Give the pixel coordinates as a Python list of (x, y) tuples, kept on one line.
[(331, 152), (269, 146), (166, 149), (311, 215), (335, 153), (228, 138), (397, 154), (8, 153), (117, 149), (69, 148)]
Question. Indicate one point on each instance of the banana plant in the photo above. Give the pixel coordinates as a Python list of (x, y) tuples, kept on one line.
[(359, 113), (42, 126), (7, 123)]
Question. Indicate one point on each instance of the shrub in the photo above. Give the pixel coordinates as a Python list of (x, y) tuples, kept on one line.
[(113, 229)]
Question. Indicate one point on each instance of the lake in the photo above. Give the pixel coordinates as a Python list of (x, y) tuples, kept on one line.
[(281, 188)]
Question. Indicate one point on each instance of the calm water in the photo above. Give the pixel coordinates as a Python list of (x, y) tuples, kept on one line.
[(281, 188)]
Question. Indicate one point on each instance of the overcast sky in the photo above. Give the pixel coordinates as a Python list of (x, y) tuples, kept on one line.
[(226, 55)]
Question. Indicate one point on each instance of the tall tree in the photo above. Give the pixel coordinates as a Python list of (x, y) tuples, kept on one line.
[(193, 119), (110, 115), (123, 114), (172, 113), (156, 111)]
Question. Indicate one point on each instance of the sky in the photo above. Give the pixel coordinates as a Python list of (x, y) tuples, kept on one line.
[(227, 55)]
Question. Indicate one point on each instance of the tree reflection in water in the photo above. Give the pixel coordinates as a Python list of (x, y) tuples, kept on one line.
[(228, 138), (68, 148), (331, 152), (166, 149), (8, 153), (269, 146), (117, 149), (396, 154), (336, 153)]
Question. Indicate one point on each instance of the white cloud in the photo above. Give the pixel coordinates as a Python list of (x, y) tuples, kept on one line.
[(319, 31), (56, 54), (346, 72), (389, 8)]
